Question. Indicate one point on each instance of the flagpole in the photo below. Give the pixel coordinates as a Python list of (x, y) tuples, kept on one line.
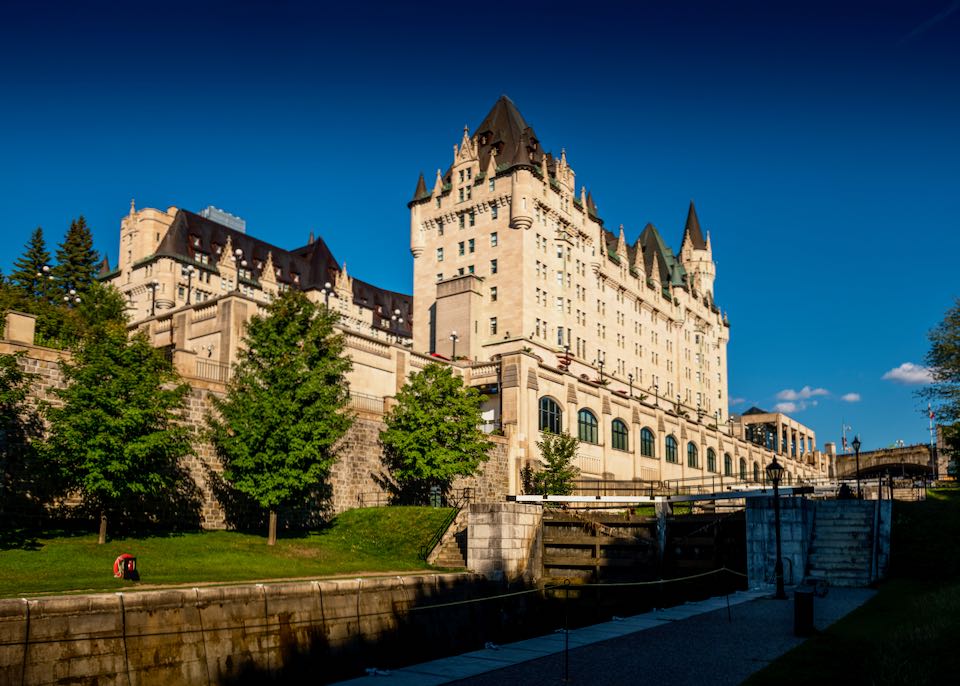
[(933, 447)]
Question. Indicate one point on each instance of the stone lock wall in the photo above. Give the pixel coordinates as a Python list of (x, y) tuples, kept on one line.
[(503, 540), (190, 636), (796, 530)]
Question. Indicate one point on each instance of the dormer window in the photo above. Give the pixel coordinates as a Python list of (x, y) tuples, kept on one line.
[(296, 278), (196, 241)]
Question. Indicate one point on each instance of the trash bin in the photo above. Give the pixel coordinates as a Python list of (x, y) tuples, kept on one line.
[(803, 611)]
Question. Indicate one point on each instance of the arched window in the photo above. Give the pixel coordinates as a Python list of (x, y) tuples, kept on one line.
[(727, 465), (587, 426), (672, 449), (550, 415), (692, 455), (647, 442), (621, 435), (743, 469), (756, 472), (711, 460)]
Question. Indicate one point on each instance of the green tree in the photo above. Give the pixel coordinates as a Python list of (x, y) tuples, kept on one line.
[(557, 453), (943, 361), (20, 431), (28, 274), (433, 434), (118, 436), (77, 261), (286, 406)]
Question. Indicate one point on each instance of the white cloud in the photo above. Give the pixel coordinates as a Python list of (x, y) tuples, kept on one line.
[(803, 394), (789, 407), (737, 401), (850, 397), (909, 373)]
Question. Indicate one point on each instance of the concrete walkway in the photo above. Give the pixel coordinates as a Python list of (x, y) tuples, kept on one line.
[(693, 644)]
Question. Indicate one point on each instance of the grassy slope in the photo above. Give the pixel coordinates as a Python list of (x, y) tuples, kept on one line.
[(364, 540), (908, 632)]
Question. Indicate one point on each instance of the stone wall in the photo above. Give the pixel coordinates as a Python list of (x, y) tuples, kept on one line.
[(796, 528), (353, 478), (216, 635), (503, 540)]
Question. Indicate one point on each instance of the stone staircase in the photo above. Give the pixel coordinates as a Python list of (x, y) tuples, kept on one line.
[(842, 548), (451, 551)]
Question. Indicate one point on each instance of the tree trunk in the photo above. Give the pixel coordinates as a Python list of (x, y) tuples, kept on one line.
[(272, 534), (103, 529)]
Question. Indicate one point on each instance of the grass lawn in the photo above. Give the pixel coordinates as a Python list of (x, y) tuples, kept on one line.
[(907, 633), (380, 539)]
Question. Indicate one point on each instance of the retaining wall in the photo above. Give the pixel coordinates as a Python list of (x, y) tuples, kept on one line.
[(214, 635)]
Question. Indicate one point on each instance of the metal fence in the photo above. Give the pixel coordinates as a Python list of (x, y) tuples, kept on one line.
[(366, 403)]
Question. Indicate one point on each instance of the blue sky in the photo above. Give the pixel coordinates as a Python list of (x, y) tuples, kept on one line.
[(819, 141)]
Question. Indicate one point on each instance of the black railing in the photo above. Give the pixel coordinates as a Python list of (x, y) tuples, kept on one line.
[(456, 500)]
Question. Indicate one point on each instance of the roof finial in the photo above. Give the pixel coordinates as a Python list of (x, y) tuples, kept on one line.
[(133, 206)]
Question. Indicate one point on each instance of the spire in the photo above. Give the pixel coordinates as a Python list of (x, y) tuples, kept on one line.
[(311, 239), (268, 272), (438, 185), (621, 243), (133, 206), (492, 165), (692, 231), (421, 191)]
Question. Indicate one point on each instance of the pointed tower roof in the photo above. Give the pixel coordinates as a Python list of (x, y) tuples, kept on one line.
[(421, 190), (692, 230), (506, 131)]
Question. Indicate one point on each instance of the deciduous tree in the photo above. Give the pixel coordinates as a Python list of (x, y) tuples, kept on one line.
[(943, 360), (286, 406), (557, 453), (433, 434), (20, 431), (118, 437)]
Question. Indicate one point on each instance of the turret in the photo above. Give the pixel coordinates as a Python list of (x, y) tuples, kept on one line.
[(521, 200), (696, 255)]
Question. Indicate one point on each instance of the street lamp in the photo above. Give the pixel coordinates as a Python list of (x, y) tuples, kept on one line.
[(397, 323), (775, 473), (599, 363), (699, 412), (71, 297), (856, 451), (630, 380), (153, 297), (327, 287), (656, 398), (188, 272), (454, 337), (238, 262)]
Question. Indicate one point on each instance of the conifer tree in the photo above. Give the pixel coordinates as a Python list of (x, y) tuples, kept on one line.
[(285, 408), (76, 259), (433, 435), (28, 271)]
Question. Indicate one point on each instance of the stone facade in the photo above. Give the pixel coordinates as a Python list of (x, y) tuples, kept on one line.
[(182, 637), (503, 540)]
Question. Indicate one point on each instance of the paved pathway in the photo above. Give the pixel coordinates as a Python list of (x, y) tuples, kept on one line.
[(693, 644)]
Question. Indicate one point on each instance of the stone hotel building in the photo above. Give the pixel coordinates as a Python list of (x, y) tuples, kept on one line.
[(518, 284)]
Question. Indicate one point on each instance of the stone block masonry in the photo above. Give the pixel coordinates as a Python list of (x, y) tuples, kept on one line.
[(503, 540), (184, 637), (354, 477)]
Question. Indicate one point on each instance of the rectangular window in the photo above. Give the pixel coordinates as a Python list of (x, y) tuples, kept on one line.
[(461, 176), (493, 294), (460, 271), (560, 251), (439, 277), (470, 269), (439, 228), (493, 183), (493, 326), (493, 212), (473, 219), (439, 254), (470, 245), (462, 220), (469, 174), (438, 201), (460, 248), (559, 335), (560, 279), (469, 192), (461, 193), (493, 266), (493, 239)]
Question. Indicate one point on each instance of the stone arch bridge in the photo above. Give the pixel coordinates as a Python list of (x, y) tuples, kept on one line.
[(911, 460)]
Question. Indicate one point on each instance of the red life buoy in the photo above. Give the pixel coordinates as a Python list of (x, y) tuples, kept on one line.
[(118, 565)]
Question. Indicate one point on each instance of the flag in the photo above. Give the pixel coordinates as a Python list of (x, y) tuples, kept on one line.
[(930, 411)]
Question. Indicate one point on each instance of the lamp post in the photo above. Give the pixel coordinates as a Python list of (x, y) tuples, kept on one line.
[(71, 298), (188, 272), (856, 451), (630, 380), (454, 337), (699, 413), (153, 297), (656, 398), (397, 323), (678, 403), (326, 294), (599, 363), (775, 473), (238, 262)]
